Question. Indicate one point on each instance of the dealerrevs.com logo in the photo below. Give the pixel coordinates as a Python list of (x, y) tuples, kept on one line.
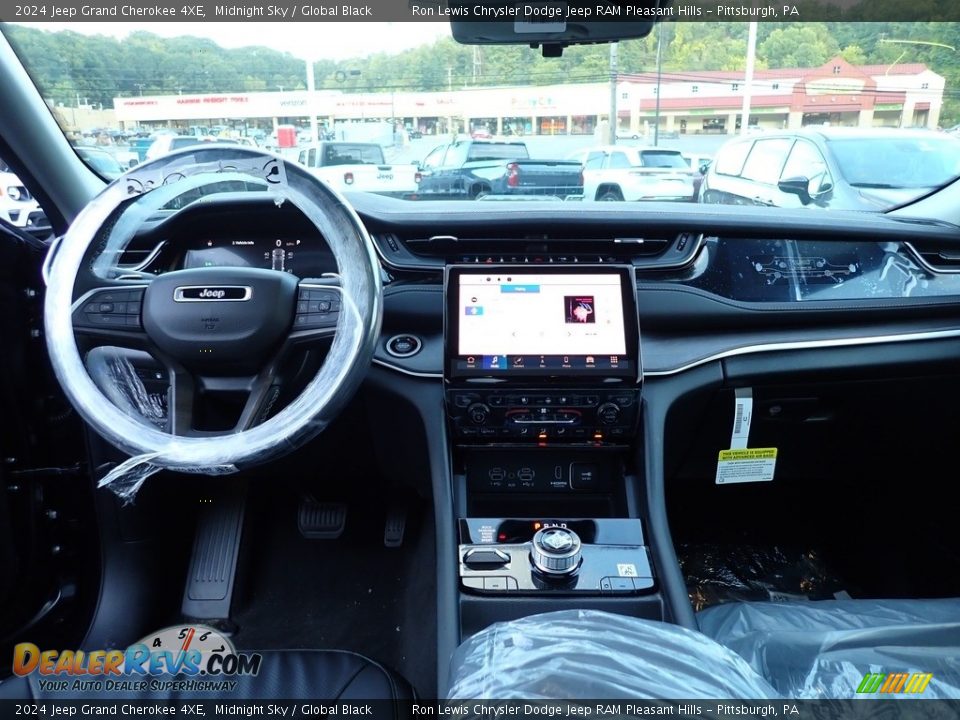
[(192, 658)]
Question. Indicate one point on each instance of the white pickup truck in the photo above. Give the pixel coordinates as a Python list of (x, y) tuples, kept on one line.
[(359, 166)]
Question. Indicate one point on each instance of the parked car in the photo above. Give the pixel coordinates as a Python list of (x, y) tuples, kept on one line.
[(472, 169), (100, 161), (620, 172), (358, 167), (697, 161), (17, 206), (171, 143), (481, 134), (836, 168)]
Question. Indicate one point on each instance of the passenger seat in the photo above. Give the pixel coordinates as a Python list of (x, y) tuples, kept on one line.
[(825, 649)]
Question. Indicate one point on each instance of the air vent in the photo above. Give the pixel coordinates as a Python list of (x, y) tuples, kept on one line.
[(435, 251), (936, 255)]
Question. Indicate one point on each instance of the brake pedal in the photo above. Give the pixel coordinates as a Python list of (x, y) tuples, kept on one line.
[(395, 526), (321, 521)]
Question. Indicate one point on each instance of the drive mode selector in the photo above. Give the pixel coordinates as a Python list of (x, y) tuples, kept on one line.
[(555, 551)]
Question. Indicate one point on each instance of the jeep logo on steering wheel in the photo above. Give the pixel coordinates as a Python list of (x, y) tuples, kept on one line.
[(200, 293)]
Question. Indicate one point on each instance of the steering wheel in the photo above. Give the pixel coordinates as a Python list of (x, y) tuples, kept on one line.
[(212, 328)]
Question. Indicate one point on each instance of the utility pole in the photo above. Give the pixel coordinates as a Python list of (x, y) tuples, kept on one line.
[(614, 47), (748, 78), (477, 64), (311, 88), (656, 121)]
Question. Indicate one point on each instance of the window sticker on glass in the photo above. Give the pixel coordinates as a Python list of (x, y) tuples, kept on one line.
[(541, 18)]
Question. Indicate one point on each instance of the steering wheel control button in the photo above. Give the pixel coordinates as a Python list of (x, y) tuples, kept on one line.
[(109, 308), (402, 346), (485, 559), (555, 551), (317, 309)]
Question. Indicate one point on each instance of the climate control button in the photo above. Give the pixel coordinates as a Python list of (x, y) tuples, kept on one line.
[(478, 413), (608, 413)]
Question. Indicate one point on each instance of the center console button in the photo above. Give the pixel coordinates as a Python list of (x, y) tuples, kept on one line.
[(495, 583), (485, 559)]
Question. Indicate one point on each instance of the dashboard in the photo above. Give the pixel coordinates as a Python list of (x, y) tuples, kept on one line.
[(708, 282)]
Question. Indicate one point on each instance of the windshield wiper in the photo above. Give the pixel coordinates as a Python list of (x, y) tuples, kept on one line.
[(879, 186)]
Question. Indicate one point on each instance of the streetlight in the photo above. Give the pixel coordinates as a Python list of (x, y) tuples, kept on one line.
[(748, 78), (612, 130), (912, 42), (656, 115), (928, 43)]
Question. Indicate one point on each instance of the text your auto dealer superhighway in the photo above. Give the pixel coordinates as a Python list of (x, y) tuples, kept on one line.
[(130, 11)]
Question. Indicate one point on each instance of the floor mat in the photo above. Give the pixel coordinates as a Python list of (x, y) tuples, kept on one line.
[(351, 593), (717, 573)]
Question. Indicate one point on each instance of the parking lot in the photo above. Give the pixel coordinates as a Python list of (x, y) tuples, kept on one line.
[(558, 147)]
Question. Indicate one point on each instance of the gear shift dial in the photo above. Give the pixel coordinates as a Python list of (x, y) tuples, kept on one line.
[(555, 551)]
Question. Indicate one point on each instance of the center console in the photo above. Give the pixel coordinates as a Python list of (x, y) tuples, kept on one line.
[(542, 378)]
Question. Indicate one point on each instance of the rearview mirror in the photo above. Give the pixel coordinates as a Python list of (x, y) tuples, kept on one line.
[(550, 25)]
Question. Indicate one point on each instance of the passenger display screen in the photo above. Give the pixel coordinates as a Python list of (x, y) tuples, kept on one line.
[(524, 321)]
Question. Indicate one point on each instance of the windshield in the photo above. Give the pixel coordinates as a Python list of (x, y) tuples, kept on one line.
[(832, 115), (900, 163)]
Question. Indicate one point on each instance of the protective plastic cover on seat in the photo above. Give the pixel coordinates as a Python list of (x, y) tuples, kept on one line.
[(824, 649), (585, 654)]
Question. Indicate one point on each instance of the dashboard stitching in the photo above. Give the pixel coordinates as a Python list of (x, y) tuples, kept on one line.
[(809, 306)]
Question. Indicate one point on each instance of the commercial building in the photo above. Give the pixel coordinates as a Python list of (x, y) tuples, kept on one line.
[(695, 102)]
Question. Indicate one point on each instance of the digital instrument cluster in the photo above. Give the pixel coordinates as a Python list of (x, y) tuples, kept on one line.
[(294, 255)]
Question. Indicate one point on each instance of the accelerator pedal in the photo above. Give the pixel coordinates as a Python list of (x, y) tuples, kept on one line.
[(213, 564), (395, 526)]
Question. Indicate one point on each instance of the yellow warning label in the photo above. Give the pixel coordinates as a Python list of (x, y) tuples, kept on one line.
[(749, 454)]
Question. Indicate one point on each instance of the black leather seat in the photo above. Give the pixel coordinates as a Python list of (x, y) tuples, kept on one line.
[(321, 675)]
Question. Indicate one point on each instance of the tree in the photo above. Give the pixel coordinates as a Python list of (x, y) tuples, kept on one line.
[(798, 45)]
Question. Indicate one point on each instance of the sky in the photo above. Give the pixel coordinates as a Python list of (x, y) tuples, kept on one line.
[(307, 40)]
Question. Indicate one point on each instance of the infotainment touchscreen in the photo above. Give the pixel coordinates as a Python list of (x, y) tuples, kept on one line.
[(528, 321)]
